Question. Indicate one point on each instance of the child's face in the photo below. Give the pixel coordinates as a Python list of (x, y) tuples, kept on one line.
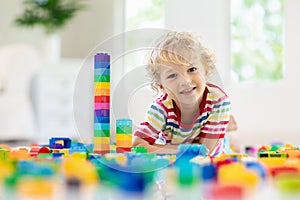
[(184, 84)]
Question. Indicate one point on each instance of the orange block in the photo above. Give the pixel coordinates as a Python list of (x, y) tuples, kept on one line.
[(124, 143), (102, 92), (20, 154), (101, 147)]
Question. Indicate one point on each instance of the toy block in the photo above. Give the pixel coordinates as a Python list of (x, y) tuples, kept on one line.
[(101, 99), (124, 143), (124, 130), (102, 140), (102, 92), (279, 170), (123, 149), (139, 149), (102, 65), (124, 122), (101, 78), (35, 151), (19, 155), (101, 106), (65, 142), (124, 137), (101, 119), (101, 146), (101, 133), (102, 126), (102, 85), (102, 72), (4, 154), (237, 174)]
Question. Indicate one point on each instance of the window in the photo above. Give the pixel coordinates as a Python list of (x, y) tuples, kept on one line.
[(141, 14), (257, 40)]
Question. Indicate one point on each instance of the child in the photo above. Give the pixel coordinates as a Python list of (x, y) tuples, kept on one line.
[(190, 110)]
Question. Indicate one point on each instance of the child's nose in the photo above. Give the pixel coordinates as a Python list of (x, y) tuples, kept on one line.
[(186, 80)]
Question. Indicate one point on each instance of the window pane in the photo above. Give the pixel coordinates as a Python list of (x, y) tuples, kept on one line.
[(257, 40), (141, 14)]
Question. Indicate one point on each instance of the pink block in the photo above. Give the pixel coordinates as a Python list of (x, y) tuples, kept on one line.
[(99, 106)]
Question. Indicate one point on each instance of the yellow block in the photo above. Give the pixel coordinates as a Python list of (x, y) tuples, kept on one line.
[(123, 137), (101, 85), (237, 174), (81, 169), (65, 151), (102, 92), (102, 140)]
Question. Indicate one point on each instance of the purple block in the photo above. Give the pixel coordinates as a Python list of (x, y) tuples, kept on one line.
[(102, 57), (102, 112)]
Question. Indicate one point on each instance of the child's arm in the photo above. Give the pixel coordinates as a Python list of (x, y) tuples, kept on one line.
[(155, 148), (209, 143)]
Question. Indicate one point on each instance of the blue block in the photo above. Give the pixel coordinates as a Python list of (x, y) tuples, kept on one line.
[(100, 119), (101, 126), (102, 65), (67, 142), (102, 71), (124, 122)]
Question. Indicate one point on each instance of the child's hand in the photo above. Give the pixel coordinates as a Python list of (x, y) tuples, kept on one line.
[(232, 126)]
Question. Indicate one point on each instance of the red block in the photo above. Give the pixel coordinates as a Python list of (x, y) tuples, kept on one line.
[(101, 99), (231, 192), (283, 170), (123, 149)]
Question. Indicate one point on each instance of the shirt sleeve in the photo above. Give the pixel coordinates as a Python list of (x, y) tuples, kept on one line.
[(153, 123), (218, 119)]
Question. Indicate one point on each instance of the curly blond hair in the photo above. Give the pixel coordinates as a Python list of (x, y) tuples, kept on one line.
[(184, 48)]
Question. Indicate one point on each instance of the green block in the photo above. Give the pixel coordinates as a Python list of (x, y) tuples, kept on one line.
[(45, 155), (124, 129), (101, 133), (3, 154), (139, 150), (275, 148), (101, 78)]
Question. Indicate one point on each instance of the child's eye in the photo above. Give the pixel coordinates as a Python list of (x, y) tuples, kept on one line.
[(171, 76), (192, 69)]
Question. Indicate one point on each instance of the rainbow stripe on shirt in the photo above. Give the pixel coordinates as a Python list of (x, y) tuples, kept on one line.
[(163, 116)]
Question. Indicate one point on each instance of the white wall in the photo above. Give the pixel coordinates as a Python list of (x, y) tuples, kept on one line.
[(265, 112), (100, 20)]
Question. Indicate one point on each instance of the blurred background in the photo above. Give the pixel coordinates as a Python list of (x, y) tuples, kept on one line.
[(255, 42)]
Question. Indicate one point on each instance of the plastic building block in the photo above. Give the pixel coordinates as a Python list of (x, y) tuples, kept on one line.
[(38, 150), (288, 184), (139, 150), (19, 154), (123, 135), (226, 192), (188, 151), (60, 143), (4, 154), (238, 174), (208, 172)]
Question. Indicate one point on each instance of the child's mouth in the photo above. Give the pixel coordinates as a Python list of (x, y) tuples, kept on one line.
[(187, 91)]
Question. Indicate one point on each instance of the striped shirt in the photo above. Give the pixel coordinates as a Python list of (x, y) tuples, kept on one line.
[(163, 120)]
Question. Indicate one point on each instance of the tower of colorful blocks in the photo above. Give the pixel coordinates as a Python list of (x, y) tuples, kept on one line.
[(123, 135), (101, 103)]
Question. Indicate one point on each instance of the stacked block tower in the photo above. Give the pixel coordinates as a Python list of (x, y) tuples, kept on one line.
[(101, 103), (123, 135)]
